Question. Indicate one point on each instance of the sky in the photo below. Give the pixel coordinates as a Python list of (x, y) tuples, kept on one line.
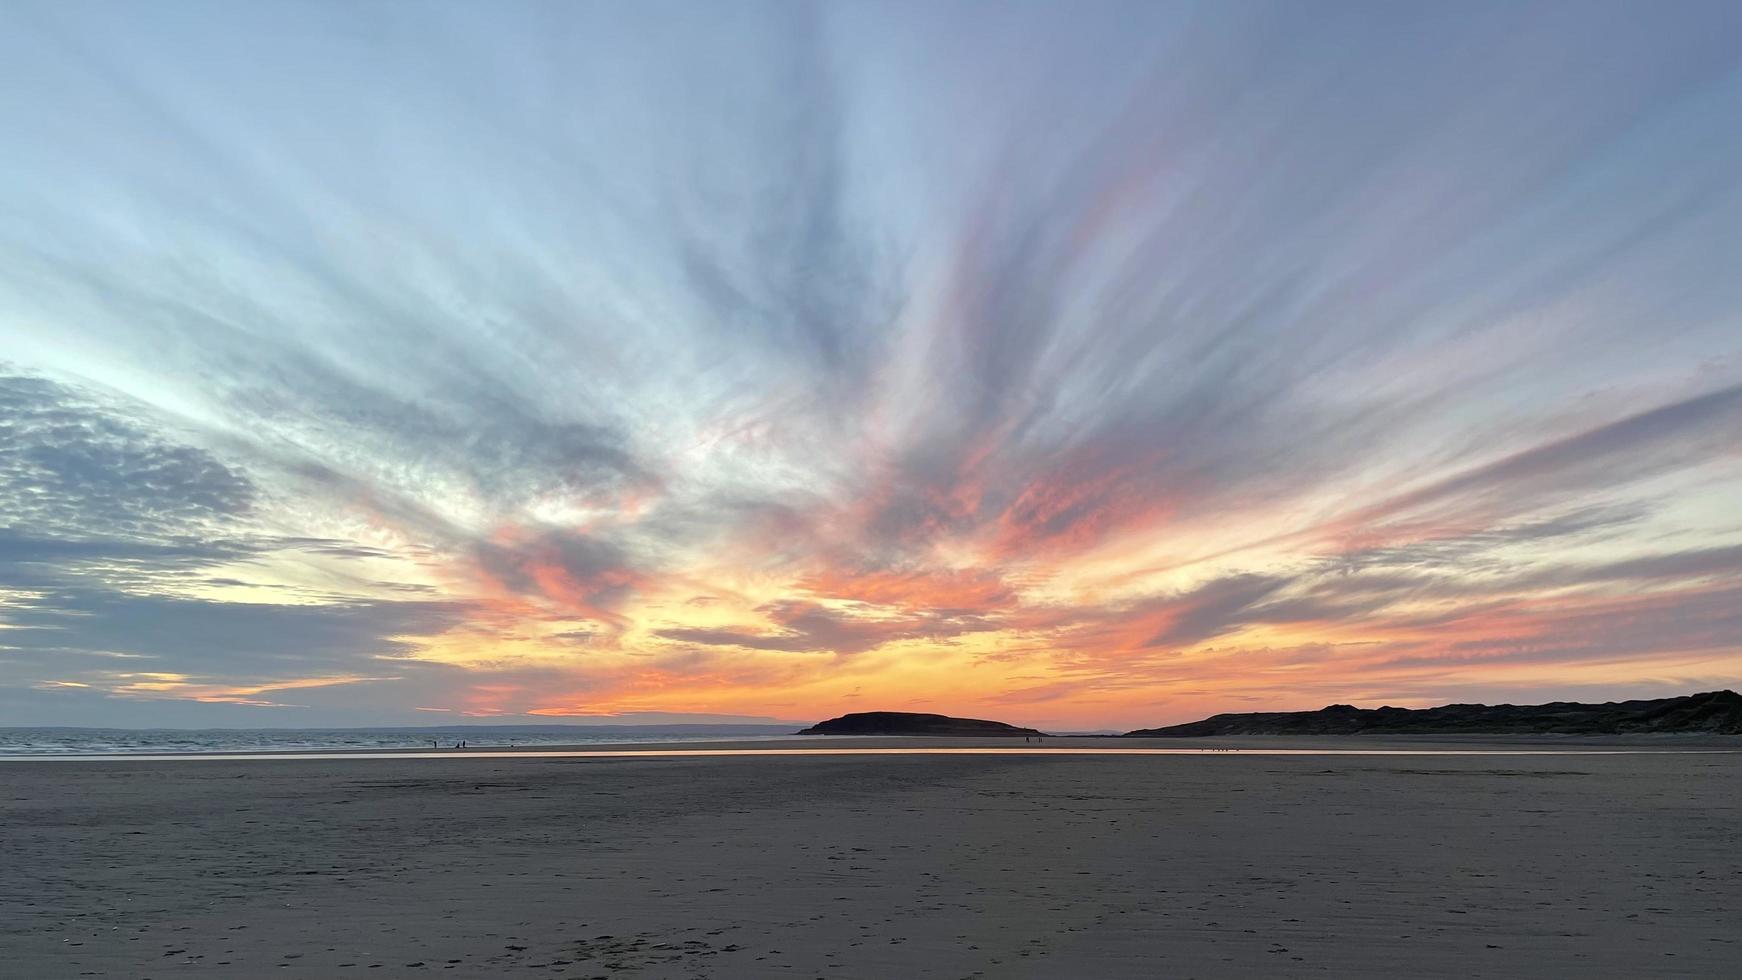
[(1084, 366)]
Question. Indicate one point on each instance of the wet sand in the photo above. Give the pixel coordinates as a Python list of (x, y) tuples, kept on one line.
[(991, 865), (1516, 744)]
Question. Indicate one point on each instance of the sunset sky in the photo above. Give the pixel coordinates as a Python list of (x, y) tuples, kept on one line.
[(1083, 366)]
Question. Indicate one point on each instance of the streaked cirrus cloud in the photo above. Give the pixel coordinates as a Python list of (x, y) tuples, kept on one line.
[(1101, 367)]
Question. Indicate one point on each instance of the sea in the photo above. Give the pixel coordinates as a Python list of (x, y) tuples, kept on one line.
[(156, 741)]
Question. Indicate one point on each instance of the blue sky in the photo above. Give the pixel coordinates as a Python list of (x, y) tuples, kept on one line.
[(374, 363)]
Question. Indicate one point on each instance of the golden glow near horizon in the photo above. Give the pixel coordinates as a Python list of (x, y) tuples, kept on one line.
[(1105, 373)]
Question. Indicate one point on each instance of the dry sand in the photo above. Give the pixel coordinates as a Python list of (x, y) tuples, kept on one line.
[(999, 865)]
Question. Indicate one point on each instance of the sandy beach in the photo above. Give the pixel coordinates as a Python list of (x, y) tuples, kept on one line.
[(988, 865)]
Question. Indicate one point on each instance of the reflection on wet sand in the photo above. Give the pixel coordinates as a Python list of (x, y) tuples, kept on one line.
[(827, 751)]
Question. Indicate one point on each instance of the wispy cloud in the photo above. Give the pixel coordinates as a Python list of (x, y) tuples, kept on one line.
[(767, 359)]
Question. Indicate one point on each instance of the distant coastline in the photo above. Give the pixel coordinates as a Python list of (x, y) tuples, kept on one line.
[(1707, 713), (1712, 713)]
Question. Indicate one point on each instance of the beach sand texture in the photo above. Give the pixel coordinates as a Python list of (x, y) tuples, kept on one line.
[(876, 867)]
